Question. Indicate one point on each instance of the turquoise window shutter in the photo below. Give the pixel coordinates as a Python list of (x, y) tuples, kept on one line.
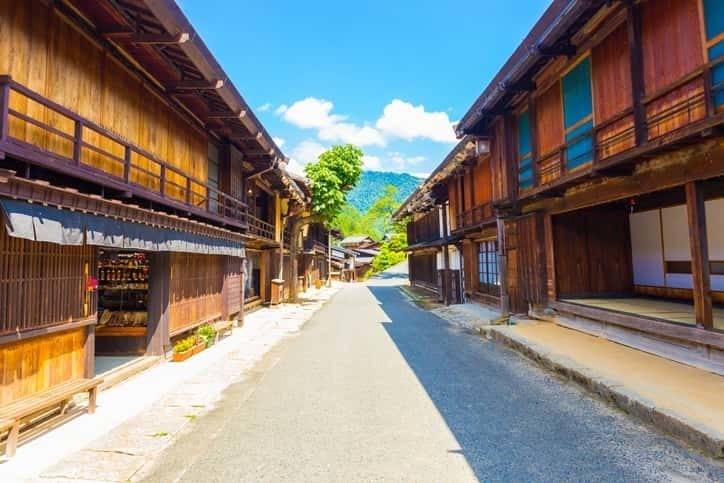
[(525, 159), (714, 25), (578, 114)]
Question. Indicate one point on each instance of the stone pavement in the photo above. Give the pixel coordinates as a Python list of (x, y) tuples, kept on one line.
[(375, 389), (680, 400), (138, 418)]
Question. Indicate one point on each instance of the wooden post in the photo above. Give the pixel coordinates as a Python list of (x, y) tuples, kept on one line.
[(502, 266), (127, 164), (699, 255), (77, 141), (4, 106), (549, 257), (90, 351), (637, 75), (446, 279), (157, 336), (162, 187)]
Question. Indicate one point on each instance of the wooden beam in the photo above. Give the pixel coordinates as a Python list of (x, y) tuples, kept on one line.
[(257, 137), (643, 323), (147, 37), (226, 114), (193, 84), (161, 39), (699, 255), (633, 10)]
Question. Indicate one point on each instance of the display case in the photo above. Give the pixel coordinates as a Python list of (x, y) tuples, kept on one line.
[(122, 294)]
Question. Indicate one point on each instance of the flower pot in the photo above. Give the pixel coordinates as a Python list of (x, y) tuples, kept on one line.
[(182, 356)]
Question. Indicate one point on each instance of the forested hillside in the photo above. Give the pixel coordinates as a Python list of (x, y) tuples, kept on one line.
[(373, 184)]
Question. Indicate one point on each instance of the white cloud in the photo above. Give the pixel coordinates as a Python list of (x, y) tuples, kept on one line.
[(372, 163), (314, 113), (310, 113), (279, 141), (351, 134), (421, 175), (306, 152), (402, 120), (264, 107), (401, 162)]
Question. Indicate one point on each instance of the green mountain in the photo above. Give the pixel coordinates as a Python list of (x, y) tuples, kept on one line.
[(374, 182)]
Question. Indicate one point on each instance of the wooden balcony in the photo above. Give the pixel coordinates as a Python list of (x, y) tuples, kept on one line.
[(474, 217), (53, 137), (261, 228), (671, 116), (425, 229)]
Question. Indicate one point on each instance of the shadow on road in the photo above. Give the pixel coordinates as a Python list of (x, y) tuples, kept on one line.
[(513, 421)]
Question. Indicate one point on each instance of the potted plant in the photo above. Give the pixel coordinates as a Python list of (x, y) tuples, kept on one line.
[(207, 334), (184, 348)]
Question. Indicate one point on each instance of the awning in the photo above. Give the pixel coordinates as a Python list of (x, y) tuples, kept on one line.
[(37, 222)]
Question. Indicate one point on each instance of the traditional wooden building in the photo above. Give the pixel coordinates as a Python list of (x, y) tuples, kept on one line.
[(607, 162), (133, 176)]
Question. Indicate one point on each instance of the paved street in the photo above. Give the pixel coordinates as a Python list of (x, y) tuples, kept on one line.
[(375, 388)]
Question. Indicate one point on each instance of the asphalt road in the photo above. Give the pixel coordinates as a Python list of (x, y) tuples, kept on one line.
[(376, 389)]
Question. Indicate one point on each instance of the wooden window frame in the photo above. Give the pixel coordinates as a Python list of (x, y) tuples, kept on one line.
[(488, 270)]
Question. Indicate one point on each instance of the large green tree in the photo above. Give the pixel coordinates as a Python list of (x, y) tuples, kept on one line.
[(331, 177)]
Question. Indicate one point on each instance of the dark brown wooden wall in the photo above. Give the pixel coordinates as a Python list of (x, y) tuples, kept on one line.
[(232, 286), (593, 252), (423, 269), (483, 184), (611, 72), (453, 197), (612, 92), (195, 290), (672, 42), (549, 119), (43, 284), (672, 49), (502, 163), (530, 264)]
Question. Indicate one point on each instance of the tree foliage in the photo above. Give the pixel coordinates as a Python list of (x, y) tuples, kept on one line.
[(391, 253), (376, 223), (337, 171)]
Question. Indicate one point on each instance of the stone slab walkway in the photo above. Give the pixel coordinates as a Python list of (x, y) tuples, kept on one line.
[(140, 417), (678, 399)]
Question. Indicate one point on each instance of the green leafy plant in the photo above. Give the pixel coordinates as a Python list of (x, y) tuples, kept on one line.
[(207, 334), (185, 344)]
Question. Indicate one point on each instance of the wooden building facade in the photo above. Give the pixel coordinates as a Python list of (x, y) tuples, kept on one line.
[(607, 174), (129, 166)]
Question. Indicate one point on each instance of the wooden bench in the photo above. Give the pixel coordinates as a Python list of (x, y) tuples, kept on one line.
[(22, 410), (223, 326)]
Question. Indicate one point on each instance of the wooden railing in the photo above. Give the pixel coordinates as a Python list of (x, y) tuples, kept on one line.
[(315, 245), (682, 103), (54, 137), (474, 216), (261, 228)]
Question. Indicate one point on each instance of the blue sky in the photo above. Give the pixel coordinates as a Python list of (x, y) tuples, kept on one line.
[(390, 76)]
